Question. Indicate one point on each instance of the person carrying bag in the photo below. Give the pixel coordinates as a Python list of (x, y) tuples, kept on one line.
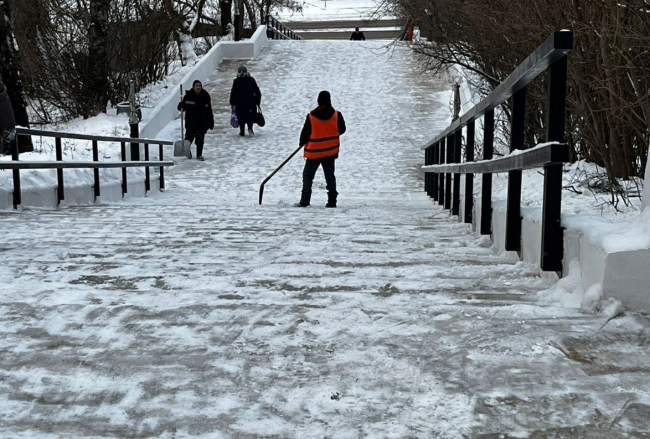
[(246, 97)]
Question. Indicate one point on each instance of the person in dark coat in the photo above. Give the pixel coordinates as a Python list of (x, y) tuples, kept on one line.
[(245, 96), (7, 121), (320, 137), (198, 116), (357, 35)]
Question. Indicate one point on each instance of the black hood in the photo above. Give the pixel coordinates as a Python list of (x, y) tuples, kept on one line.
[(323, 112)]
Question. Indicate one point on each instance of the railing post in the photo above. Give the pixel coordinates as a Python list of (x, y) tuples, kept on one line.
[(96, 189), (124, 181), (427, 175), (236, 21), (449, 159), (441, 176), (552, 236), (434, 176), (134, 120), (162, 169), (458, 139), (486, 189), (60, 191), (469, 178), (513, 213), (147, 174), (18, 199)]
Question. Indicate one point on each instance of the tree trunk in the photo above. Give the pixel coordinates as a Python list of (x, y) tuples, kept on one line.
[(10, 70), (96, 83), (251, 15), (226, 15)]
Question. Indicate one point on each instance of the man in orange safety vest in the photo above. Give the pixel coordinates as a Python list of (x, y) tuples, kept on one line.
[(320, 136)]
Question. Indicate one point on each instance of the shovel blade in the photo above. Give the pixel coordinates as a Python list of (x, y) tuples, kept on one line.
[(182, 148)]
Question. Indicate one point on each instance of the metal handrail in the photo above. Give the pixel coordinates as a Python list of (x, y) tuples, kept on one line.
[(549, 154), (35, 164), (443, 153), (16, 165), (275, 28), (555, 47), (43, 133)]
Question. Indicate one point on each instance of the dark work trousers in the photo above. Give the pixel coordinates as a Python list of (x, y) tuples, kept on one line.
[(197, 136), (308, 173)]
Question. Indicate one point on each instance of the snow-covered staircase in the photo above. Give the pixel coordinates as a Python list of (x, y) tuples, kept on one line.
[(199, 313)]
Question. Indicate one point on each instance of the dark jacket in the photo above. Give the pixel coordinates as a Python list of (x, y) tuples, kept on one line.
[(7, 120), (323, 112), (245, 96), (358, 36), (198, 110)]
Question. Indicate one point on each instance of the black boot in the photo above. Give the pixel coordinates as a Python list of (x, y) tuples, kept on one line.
[(331, 199)]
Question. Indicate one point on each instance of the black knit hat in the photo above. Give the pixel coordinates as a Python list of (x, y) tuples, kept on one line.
[(242, 68), (196, 81), (324, 98)]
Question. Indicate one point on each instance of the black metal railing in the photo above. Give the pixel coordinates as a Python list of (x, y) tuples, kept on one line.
[(443, 154), (16, 165), (275, 30)]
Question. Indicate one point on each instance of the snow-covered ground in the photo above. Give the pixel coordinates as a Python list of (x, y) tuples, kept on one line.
[(198, 313)]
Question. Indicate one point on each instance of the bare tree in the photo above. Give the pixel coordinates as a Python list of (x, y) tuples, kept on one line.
[(608, 114), (10, 69)]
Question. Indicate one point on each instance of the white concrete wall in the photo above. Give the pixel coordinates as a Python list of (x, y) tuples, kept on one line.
[(622, 275), (80, 194)]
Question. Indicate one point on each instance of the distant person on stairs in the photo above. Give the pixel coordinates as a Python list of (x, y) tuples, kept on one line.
[(198, 116), (357, 35), (320, 136), (245, 96)]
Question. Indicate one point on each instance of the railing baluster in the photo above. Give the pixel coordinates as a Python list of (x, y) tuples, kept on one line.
[(458, 139), (124, 176), (60, 191), (427, 178), (162, 169), (434, 175), (18, 199), (96, 188), (469, 178), (513, 213), (552, 236), (147, 175), (486, 190), (441, 176), (449, 159)]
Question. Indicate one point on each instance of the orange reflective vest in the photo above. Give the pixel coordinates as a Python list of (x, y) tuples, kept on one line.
[(324, 139)]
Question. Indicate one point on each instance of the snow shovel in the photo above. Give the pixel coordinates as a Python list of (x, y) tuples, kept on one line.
[(276, 170), (182, 147)]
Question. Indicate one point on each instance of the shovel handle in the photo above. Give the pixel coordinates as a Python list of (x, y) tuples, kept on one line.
[(182, 128), (275, 171)]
